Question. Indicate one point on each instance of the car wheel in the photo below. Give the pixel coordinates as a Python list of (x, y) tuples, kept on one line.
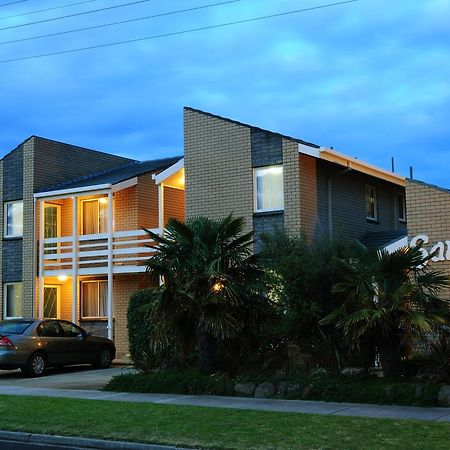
[(37, 365), (104, 359)]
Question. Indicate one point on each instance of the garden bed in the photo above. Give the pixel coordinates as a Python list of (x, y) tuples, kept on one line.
[(355, 389)]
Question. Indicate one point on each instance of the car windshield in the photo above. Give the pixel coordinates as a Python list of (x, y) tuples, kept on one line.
[(14, 326)]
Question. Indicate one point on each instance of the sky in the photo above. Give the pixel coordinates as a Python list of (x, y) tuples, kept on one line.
[(371, 78)]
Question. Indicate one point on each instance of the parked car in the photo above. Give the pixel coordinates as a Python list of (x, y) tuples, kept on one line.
[(32, 345)]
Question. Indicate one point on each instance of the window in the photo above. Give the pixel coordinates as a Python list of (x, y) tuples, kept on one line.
[(95, 213), (401, 207), (371, 203), (14, 219), (71, 330), (269, 194), (49, 328), (93, 299), (13, 300)]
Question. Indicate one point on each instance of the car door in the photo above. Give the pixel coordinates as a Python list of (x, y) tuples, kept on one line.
[(74, 339), (50, 336)]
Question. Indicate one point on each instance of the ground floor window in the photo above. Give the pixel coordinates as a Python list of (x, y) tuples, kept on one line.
[(12, 300), (93, 299)]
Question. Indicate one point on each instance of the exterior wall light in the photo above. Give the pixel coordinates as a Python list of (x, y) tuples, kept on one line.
[(62, 278)]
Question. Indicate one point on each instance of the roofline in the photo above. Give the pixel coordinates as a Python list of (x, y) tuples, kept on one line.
[(327, 154), (168, 171), (433, 186), (236, 122), (77, 190)]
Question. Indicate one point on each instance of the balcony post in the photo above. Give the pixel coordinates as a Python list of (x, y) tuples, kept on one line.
[(41, 259), (161, 207), (109, 299), (74, 258)]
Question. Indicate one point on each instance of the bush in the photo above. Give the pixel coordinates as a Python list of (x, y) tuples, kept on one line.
[(140, 330)]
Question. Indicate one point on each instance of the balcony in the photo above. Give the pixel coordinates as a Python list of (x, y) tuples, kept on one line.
[(92, 254)]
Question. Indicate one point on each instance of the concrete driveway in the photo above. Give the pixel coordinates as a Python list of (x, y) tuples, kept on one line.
[(75, 377)]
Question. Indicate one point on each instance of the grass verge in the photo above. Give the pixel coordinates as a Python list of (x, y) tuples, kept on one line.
[(214, 428)]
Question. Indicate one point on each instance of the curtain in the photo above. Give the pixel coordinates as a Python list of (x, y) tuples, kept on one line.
[(90, 217), (14, 219), (102, 290), (14, 300), (269, 188), (90, 299), (103, 217)]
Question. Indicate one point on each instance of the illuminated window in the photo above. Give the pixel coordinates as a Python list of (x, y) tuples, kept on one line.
[(269, 195), (13, 300), (401, 207), (14, 219), (95, 213), (93, 299), (371, 202)]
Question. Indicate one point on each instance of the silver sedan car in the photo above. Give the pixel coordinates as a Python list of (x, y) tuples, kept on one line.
[(32, 345)]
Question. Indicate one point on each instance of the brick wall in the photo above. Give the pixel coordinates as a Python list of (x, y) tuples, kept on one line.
[(310, 225), (267, 148), (218, 167), (428, 212), (173, 204), (125, 209), (147, 202), (291, 176), (1, 240)]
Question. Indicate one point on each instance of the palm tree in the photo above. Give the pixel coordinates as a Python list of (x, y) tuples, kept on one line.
[(208, 271), (391, 300)]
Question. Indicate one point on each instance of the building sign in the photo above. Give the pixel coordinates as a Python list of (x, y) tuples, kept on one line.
[(441, 249)]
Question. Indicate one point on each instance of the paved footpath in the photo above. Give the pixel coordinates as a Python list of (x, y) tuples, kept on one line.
[(293, 406)]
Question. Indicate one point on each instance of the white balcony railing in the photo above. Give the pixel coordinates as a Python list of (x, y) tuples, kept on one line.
[(129, 252)]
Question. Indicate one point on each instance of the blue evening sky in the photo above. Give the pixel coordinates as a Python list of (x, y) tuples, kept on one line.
[(370, 78)]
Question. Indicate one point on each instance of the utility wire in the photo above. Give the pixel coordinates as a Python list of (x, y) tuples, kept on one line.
[(91, 11), (93, 27), (45, 9), (176, 33), (13, 3)]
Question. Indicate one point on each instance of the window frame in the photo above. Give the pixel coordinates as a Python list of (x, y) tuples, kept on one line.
[(255, 189), (5, 300), (375, 202), (98, 215), (98, 299), (5, 219), (397, 204)]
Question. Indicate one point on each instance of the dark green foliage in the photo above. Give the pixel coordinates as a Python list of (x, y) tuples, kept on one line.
[(211, 292), (300, 276), (140, 330), (173, 382), (390, 302), (363, 389)]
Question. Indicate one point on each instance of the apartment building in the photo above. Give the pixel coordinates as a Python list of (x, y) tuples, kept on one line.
[(280, 182), (73, 242)]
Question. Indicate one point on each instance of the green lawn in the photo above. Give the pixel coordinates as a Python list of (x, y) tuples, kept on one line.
[(215, 428)]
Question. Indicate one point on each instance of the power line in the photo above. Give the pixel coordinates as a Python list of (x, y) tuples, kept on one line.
[(13, 3), (91, 11), (45, 9), (176, 33), (93, 27)]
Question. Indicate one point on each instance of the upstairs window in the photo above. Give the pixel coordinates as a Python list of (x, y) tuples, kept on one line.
[(95, 213), (269, 193), (401, 207), (371, 203), (14, 219)]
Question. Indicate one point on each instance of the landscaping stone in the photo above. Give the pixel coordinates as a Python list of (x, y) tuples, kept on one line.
[(285, 388), (352, 371), (444, 395), (265, 390), (245, 388)]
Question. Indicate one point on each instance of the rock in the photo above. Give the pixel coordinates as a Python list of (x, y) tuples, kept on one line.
[(318, 372), (265, 390), (352, 371), (245, 388), (285, 388), (444, 395)]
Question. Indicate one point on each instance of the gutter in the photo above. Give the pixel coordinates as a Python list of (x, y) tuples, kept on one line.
[(73, 190)]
